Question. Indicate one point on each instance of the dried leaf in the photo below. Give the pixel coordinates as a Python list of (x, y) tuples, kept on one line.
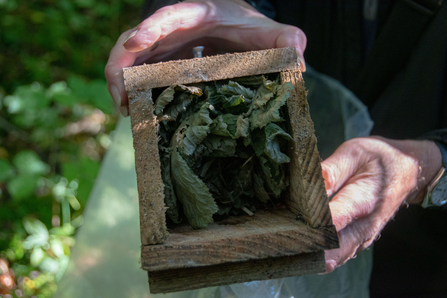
[(198, 204)]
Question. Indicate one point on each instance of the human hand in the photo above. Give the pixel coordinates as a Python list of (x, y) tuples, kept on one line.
[(374, 177), (171, 32)]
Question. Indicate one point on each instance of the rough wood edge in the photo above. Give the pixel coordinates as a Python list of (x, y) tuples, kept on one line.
[(194, 278), (266, 234), (211, 68), (307, 191), (149, 181)]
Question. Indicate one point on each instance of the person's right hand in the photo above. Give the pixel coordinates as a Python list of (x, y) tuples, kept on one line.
[(371, 178), (171, 32)]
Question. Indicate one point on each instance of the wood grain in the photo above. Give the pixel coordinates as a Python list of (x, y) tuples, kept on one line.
[(230, 273), (209, 69), (149, 181), (307, 191), (266, 234), (269, 244)]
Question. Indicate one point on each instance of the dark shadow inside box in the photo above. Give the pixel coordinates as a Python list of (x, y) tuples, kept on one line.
[(244, 173)]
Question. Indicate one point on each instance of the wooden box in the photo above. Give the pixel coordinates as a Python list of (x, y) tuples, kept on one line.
[(270, 244)]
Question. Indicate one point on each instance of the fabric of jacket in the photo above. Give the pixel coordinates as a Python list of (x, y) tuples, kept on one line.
[(410, 260)]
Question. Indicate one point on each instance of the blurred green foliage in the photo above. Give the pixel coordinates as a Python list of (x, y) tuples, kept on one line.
[(56, 121)]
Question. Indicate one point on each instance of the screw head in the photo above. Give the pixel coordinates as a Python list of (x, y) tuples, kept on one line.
[(197, 51)]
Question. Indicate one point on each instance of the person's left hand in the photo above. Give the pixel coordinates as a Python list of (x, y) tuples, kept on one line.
[(372, 177)]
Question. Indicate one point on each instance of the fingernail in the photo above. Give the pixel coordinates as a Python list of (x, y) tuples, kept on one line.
[(130, 36), (115, 95), (124, 111), (302, 64)]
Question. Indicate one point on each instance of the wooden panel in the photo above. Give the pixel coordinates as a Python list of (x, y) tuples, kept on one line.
[(230, 273), (269, 244), (211, 68), (307, 191), (266, 234), (149, 180)]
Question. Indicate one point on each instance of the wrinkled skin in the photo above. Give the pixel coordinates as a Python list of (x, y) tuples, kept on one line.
[(372, 177), (171, 32)]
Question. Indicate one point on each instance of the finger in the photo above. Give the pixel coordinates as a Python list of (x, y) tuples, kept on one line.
[(353, 239), (118, 59), (355, 200), (293, 37), (181, 16), (341, 165)]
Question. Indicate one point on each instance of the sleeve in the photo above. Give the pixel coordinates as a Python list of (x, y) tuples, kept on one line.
[(439, 136)]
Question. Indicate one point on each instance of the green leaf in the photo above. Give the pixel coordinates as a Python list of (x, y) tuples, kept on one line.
[(57, 247), (272, 145), (39, 235), (242, 127), (79, 87), (37, 256), (274, 175), (219, 146), (201, 117), (170, 197), (258, 187), (28, 162), (230, 120), (49, 265), (233, 101), (22, 186), (26, 99), (250, 80), (264, 93), (194, 135), (57, 88), (177, 107), (198, 204), (6, 170), (234, 88), (167, 96), (258, 141), (99, 96), (66, 99), (213, 97), (219, 127), (261, 117), (65, 230), (236, 126)]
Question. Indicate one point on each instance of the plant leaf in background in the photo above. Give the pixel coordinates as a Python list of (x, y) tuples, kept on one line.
[(22, 186), (28, 162), (50, 93), (37, 256), (39, 234), (6, 170), (94, 92)]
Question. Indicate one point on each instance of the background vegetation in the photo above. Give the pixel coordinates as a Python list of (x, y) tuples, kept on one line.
[(56, 120)]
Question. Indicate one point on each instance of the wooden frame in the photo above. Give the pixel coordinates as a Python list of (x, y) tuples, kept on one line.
[(269, 244)]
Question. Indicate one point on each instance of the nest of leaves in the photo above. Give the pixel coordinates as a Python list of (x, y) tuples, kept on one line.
[(222, 147)]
